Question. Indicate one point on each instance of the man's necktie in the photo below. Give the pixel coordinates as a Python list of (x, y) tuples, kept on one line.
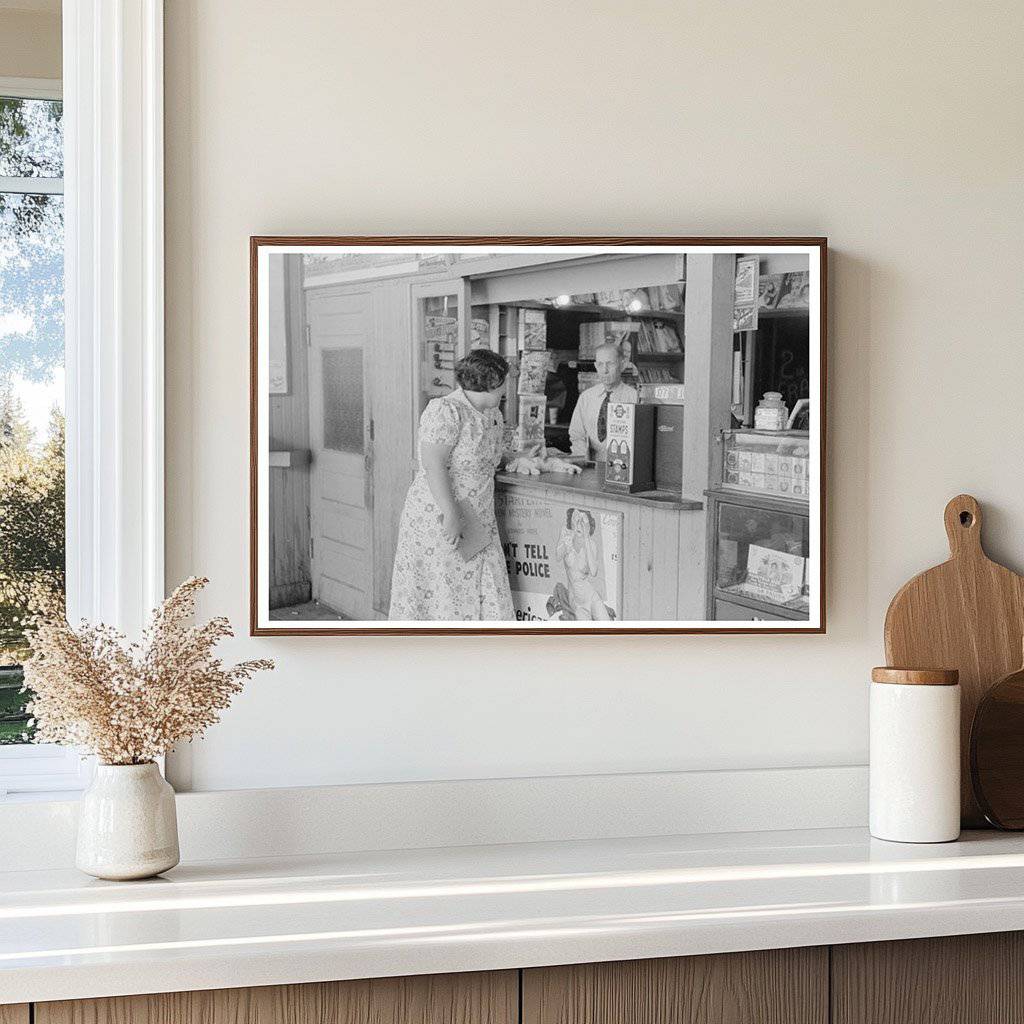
[(602, 418)]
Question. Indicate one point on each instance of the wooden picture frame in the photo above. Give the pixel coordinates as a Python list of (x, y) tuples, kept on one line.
[(358, 314)]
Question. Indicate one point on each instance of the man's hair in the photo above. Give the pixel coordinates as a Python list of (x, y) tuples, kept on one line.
[(481, 370), (611, 347)]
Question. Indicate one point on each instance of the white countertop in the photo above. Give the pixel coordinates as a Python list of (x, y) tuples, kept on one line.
[(272, 921)]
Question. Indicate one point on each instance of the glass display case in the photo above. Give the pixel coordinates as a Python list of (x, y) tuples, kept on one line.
[(758, 557), (767, 461)]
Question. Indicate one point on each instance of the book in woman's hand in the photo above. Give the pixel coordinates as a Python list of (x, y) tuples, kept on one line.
[(475, 535)]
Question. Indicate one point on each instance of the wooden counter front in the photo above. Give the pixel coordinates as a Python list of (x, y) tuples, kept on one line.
[(662, 542)]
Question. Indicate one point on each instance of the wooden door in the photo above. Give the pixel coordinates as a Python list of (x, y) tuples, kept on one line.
[(959, 979), (476, 998), (14, 1013), (341, 329), (776, 986)]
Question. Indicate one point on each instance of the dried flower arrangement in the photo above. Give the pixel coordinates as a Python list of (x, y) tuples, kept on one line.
[(130, 703)]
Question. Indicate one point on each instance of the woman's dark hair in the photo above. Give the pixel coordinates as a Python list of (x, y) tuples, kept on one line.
[(582, 512), (481, 370)]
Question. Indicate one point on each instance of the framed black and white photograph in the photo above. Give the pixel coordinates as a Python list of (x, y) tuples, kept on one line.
[(481, 435)]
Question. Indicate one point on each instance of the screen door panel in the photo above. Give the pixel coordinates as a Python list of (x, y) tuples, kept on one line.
[(342, 370), (341, 329)]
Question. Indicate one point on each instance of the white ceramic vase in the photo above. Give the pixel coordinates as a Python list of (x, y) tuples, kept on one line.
[(127, 825)]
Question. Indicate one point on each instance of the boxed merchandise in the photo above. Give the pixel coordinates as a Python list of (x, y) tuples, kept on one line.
[(661, 393), (533, 330), (531, 421), (533, 372), (775, 462)]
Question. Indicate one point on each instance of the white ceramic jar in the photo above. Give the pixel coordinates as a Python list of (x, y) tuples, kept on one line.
[(127, 824), (915, 755), (771, 412)]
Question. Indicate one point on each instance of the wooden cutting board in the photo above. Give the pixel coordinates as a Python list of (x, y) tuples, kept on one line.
[(967, 614)]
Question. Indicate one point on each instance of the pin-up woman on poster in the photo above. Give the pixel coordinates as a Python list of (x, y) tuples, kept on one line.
[(578, 551)]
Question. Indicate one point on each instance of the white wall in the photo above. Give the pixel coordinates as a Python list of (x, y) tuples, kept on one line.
[(895, 129), (30, 39)]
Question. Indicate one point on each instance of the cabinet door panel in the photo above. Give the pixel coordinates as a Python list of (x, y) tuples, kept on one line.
[(479, 998), (781, 986), (961, 979), (14, 1013)]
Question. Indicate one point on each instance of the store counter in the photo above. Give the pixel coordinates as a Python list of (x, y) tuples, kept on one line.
[(588, 484), (575, 551)]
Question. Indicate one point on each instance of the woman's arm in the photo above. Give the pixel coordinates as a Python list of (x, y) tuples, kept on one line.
[(525, 462), (534, 462), (435, 466)]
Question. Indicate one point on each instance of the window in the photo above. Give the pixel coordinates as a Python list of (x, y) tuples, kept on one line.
[(111, 198), (32, 511)]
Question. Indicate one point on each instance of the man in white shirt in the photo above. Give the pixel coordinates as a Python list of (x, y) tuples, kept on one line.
[(588, 428)]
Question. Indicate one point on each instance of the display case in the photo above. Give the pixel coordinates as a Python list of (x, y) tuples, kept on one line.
[(758, 551), (766, 462)]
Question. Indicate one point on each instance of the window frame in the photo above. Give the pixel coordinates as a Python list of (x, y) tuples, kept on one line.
[(112, 91), (31, 89)]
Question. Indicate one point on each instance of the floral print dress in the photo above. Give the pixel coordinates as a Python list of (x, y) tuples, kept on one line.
[(431, 580)]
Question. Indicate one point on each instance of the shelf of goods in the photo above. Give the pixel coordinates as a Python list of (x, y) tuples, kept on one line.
[(759, 528)]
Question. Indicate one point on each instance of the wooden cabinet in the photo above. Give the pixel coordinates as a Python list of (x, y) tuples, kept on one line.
[(962, 979), (778, 986), (478, 998), (969, 979)]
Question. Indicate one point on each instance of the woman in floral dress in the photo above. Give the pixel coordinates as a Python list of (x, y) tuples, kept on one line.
[(460, 447)]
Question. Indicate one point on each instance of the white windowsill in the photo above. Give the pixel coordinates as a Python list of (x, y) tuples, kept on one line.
[(42, 771)]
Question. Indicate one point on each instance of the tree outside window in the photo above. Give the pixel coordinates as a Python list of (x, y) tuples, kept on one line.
[(31, 385)]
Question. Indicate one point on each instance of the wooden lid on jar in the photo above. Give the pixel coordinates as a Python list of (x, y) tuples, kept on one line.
[(916, 676)]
